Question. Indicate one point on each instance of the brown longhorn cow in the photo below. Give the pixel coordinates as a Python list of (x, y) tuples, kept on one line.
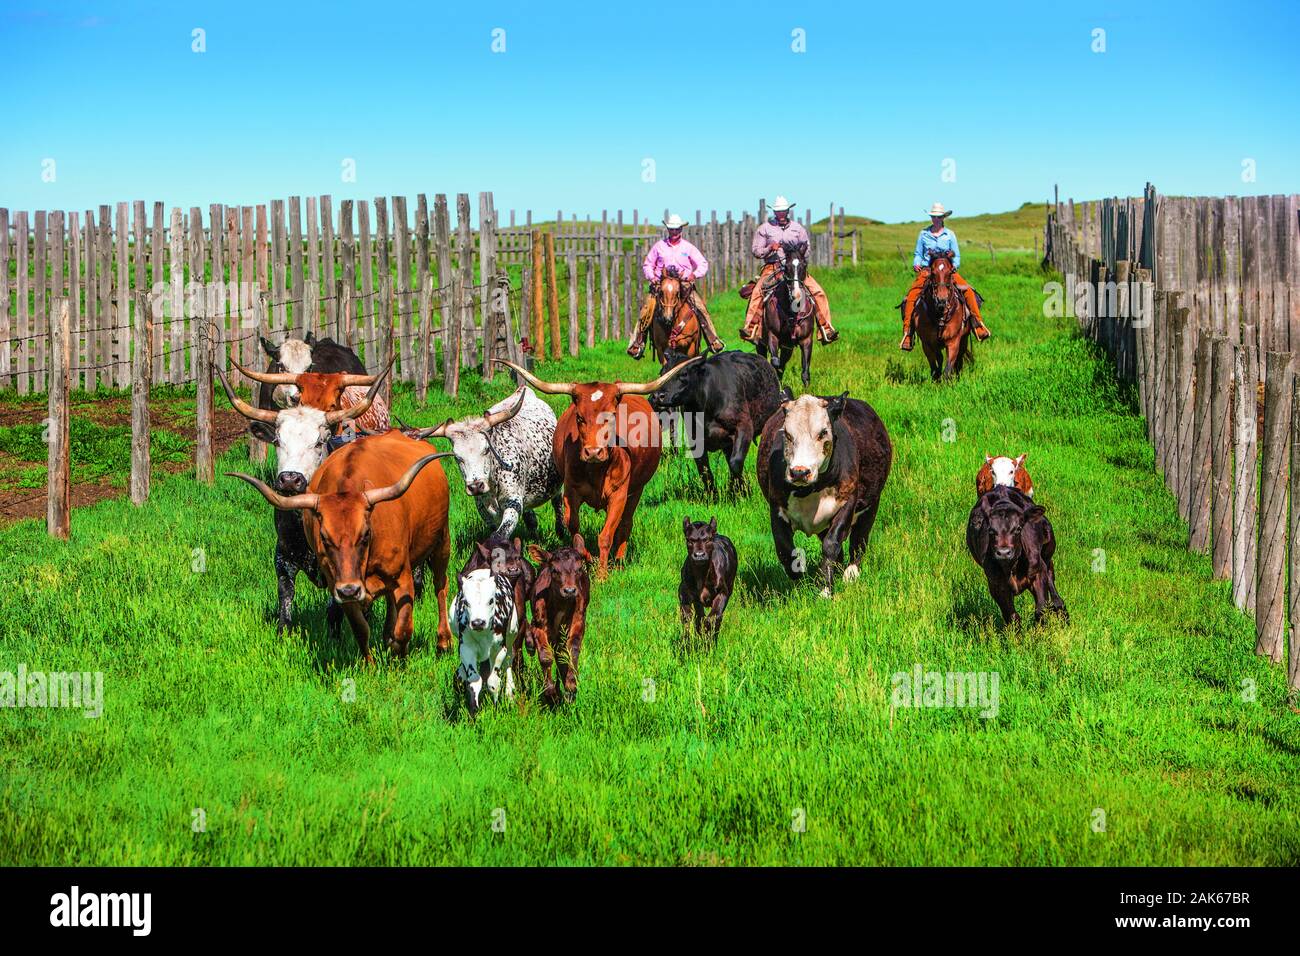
[(606, 448), (372, 514)]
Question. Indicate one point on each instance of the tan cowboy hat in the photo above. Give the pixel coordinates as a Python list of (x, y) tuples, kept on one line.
[(938, 210), (674, 222), (781, 204)]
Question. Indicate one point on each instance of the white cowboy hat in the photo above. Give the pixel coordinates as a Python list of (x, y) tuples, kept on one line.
[(781, 204), (674, 222), (938, 210)]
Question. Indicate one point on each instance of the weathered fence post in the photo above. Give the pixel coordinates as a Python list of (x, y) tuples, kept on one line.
[(1243, 499), (552, 296), (451, 357), (537, 275), (426, 356), (58, 506), (1198, 529), (1221, 458), (140, 381), (1270, 611), (1293, 658), (591, 315), (204, 459), (385, 343), (572, 266), (256, 447)]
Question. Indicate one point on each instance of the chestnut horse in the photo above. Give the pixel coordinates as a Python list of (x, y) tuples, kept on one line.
[(675, 328), (788, 313), (942, 320)]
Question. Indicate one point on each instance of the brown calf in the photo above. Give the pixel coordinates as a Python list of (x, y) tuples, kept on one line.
[(1011, 539), (606, 448), (559, 607), (372, 514)]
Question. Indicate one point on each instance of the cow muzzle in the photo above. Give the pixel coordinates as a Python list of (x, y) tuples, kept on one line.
[(348, 593), (1004, 554), (798, 475), (598, 454), (286, 396), (476, 488), (291, 482)]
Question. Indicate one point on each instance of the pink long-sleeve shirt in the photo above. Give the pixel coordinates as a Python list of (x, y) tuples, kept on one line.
[(770, 232), (681, 254)]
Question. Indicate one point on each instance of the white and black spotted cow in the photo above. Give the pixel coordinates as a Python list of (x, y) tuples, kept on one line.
[(485, 621), (505, 458)]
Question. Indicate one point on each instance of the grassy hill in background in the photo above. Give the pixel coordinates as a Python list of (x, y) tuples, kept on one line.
[(1014, 230)]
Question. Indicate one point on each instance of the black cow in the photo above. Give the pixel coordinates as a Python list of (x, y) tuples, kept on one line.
[(822, 464), (308, 354), (1011, 539), (729, 397), (292, 552)]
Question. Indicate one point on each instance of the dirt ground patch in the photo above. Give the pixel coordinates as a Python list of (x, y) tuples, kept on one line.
[(171, 414)]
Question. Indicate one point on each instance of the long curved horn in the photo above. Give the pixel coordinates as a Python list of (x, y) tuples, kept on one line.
[(438, 431), (645, 388), (350, 379), (550, 388), (266, 378), (376, 495), (494, 419), (338, 416), (245, 409), (294, 503)]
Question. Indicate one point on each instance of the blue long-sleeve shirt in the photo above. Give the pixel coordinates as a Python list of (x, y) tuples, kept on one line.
[(928, 243)]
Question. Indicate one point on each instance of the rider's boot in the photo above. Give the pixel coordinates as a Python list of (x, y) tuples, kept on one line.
[(906, 344), (636, 348), (706, 324), (973, 307), (826, 333)]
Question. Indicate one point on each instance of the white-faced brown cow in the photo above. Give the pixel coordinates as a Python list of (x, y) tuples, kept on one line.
[(1005, 471), (822, 464)]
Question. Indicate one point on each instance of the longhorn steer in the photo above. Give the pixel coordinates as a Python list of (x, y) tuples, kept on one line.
[(301, 435), (730, 396), (505, 458), (295, 356), (373, 513), (1011, 539), (606, 448), (822, 465)]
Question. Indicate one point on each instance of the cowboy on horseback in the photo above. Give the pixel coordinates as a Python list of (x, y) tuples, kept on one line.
[(938, 238), (769, 241), (673, 254)]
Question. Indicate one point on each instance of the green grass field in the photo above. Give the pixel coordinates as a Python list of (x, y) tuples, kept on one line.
[(1130, 736)]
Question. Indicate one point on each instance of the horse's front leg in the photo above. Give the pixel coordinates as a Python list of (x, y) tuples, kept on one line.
[(806, 346)]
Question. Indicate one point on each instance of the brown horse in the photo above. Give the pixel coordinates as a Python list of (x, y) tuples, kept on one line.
[(788, 315), (942, 320), (675, 328)]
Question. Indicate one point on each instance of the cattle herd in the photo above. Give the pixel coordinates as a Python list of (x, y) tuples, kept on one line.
[(362, 509)]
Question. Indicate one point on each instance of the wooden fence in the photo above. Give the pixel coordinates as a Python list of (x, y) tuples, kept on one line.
[(1198, 302), (373, 275), (129, 296)]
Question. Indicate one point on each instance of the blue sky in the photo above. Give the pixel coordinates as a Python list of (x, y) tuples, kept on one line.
[(713, 93)]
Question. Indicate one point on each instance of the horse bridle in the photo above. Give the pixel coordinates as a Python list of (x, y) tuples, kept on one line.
[(951, 305)]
